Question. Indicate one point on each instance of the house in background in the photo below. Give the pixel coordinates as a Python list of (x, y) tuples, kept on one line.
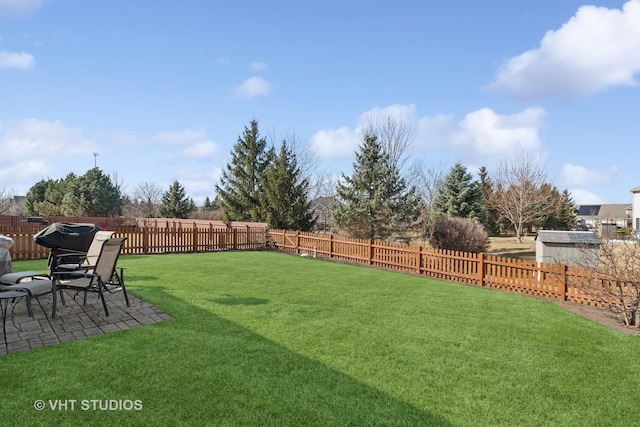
[(599, 217), (635, 215), (320, 208)]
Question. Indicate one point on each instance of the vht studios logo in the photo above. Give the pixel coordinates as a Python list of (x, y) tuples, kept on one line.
[(88, 405)]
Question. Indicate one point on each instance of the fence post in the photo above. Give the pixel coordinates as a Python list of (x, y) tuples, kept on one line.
[(419, 259), (330, 245), (297, 241), (145, 240), (562, 282), (481, 269), (370, 242), (195, 238), (235, 239)]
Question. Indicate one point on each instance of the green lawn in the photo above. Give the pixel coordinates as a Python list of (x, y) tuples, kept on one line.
[(268, 339)]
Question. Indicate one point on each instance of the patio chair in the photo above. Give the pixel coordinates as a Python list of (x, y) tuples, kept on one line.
[(84, 261), (96, 279), (31, 283)]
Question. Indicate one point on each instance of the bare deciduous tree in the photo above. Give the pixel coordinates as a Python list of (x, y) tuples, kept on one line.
[(7, 201), (395, 134), (611, 276), (147, 196), (427, 180), (522, 192)]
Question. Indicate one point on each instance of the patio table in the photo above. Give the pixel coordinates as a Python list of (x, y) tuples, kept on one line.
[(5, 296)]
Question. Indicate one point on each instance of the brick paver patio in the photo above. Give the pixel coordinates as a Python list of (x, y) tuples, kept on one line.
[(73, 321)]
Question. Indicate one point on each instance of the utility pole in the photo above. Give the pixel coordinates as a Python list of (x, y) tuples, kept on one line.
[(95, 159)]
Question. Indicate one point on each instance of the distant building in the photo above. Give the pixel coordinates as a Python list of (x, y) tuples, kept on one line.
[(635, 215), (320, 208), (593, 217)]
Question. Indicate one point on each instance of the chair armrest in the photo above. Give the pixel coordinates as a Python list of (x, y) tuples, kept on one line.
[(78, 274)]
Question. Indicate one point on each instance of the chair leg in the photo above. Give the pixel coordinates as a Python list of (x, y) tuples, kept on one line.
[(104, 303), (4, 307), (124, 289), (29, 307), (55, 294)]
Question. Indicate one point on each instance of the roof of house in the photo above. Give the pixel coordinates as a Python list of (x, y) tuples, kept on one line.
[(609, 211), (558, 236)]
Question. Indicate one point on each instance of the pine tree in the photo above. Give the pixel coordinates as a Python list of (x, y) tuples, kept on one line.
[(459, 196), (492, 217), (285, 203), (564, 217), (175, 203), (97, 195), (239, 189), (375, 202)]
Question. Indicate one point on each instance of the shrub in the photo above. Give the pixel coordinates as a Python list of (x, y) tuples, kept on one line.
[(459, 234)]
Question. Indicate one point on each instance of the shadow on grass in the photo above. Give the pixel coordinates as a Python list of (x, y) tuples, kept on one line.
[(199, 369)]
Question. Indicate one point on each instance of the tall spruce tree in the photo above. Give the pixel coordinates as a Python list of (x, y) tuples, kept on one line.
[(240, 189), (459, 196), (564, 217), (375, 202), (285, 203), (175, 202), (492, 217)]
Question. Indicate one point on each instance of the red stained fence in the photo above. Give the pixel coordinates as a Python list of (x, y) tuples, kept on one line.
[(552, 281), (156, 240)]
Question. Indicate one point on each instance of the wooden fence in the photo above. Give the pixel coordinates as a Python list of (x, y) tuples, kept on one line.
[(552, 281), (156, 240)]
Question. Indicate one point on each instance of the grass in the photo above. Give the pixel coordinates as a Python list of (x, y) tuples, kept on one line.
[(508, 246), (261, 338)]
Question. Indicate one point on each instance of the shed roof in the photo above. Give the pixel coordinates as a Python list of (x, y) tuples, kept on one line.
[(558, 236)]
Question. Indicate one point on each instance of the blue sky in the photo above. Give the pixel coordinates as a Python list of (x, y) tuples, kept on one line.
[(162, 89)]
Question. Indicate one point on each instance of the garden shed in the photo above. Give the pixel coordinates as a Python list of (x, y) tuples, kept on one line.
[(567, 247)]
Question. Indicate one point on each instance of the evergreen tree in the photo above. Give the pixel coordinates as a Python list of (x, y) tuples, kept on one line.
[(207, 206), (36, 198), (285, 203), (239, 189), (459, 196), (93, 194), (375, 202), (564, 217), (492, 217), (175, 203)]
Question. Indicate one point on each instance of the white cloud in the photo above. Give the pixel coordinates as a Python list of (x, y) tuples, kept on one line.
[(197, 184), (483, 136), (19, 8), (584, 197), (22, 61), (580, 176), (487, 133), (252, 87), (596, 49), (35, 149), (201, 150), (195, 142), (258, 66), (394, 111), (335, 143)]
